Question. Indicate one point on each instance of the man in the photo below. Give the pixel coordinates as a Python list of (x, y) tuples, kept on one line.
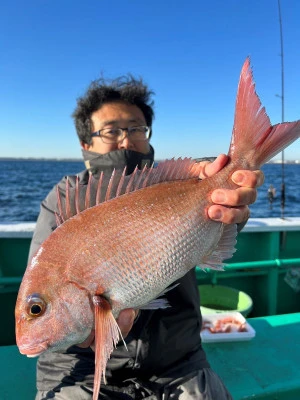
[(165, 359)]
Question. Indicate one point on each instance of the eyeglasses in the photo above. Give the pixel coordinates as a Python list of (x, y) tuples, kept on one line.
[(136, 133)]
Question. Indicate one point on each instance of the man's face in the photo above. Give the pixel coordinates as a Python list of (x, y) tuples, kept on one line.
[(117, 115)]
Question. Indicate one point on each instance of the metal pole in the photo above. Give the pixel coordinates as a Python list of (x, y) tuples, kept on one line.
[(282, 114)]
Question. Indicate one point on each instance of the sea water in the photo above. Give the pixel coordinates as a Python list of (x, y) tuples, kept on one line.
[(25, 183)]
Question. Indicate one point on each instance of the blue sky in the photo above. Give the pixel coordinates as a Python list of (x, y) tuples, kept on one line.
[(189, 52)]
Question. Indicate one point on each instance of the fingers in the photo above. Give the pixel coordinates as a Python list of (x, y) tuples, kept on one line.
[(250, 179), (245, 178), (211, 168), (241, 196), (125, 320), (231, 205), (229, 215)]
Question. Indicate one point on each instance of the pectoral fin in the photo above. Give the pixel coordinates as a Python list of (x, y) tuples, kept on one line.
[(159, 302), (107, 334)]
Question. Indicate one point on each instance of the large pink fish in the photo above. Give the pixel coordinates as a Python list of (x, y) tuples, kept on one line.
[(125, 251)]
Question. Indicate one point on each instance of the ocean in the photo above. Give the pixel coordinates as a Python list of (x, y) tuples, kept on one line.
[(25, 183)]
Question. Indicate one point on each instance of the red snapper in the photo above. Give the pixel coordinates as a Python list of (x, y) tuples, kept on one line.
[(125, 251)]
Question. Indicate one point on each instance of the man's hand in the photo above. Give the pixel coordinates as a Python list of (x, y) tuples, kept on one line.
[(231, 206), (125, 321)]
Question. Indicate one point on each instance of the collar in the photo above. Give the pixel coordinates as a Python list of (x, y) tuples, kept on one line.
[(117, 159)]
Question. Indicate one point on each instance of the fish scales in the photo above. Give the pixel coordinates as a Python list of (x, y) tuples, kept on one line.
[(173, 229)]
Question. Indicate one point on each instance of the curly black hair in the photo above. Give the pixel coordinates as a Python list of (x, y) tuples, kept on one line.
[(125, 88)]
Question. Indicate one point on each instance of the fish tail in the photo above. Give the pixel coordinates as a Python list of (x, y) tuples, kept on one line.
[(254, 139), (107, 334)]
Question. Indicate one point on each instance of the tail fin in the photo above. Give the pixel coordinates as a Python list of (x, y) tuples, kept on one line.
[(253, 136)]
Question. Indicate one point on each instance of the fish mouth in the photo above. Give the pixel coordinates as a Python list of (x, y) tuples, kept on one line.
[(33, 351)]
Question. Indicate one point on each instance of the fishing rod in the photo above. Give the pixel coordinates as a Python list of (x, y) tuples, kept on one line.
[(282, 113)]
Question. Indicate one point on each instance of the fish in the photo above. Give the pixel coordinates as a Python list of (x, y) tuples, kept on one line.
[(133, 240)]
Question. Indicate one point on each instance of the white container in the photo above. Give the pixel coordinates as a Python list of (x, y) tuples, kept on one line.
[(234, 336)]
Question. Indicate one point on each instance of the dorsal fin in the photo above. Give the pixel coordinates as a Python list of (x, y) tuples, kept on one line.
[(77, 195), (99, 187), (80, 197), (88, 193)]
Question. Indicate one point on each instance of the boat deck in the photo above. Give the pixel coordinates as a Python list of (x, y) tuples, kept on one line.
[(265, 367)]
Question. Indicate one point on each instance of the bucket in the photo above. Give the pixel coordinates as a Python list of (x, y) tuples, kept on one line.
[(218, 299)]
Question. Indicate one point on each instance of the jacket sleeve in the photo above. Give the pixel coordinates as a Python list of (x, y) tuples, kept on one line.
[(46, 222)]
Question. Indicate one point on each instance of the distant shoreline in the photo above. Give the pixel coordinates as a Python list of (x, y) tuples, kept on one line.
[(40, 159), (81, 160)]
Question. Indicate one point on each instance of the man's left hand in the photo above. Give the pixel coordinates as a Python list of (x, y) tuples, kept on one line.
[(231, 205), (125, 321)]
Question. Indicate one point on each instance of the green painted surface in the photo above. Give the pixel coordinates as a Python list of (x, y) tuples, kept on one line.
[(13, 256), (266, 367), (13, 261), (17, 375), (259, 267), (7, 311)]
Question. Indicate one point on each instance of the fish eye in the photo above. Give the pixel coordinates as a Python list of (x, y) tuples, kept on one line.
[(36, 305)]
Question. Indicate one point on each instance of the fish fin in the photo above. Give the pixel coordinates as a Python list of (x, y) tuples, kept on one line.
[(224, 250), (107, 334), (159, 302), (58, 219), (76, 197), (87, 203), (253, 136), (155, 304)]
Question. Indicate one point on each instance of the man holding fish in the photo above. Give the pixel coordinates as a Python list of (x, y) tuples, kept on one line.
[(163, 357)]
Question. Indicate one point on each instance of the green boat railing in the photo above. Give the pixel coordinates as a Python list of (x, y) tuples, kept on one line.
[(271, 268)]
